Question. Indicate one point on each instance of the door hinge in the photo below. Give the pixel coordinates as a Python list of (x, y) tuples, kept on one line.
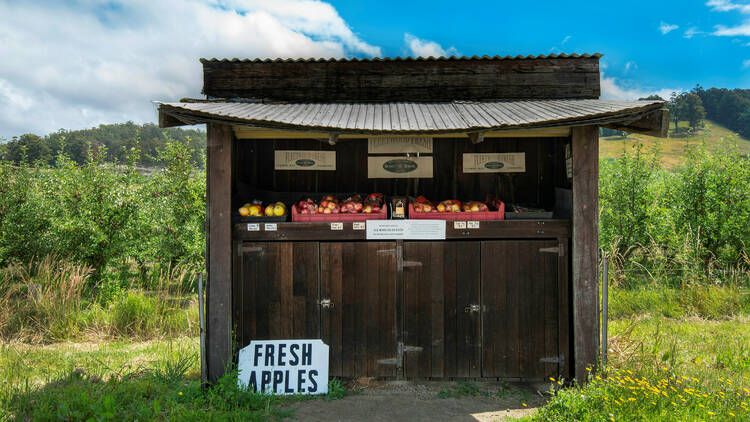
[(407, 264), (325, 303), (401, 348), (553, 249), (560, 360), (249, 249), (386, 251)]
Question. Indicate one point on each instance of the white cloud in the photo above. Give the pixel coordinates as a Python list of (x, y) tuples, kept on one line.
[(630, 65), (742, 30), (691, 32), (746, 64), (79, 64), (726, 6), (612, 89), (566, 39), (425, 48), (666, 28)]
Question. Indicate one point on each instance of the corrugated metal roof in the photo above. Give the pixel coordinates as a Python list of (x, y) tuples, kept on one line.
[(409, 117), (400, 59)]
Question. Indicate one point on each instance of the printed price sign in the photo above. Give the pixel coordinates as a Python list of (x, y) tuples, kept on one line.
[(406, 229)]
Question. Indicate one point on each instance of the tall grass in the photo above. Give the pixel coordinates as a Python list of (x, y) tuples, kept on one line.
[(51, 299)]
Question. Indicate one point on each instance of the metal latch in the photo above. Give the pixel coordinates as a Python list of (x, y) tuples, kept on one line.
[(407, 264), (325, 303), (554, 249), (472, 308)]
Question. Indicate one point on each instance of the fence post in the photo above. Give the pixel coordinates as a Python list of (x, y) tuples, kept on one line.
[(605, 296), (202, 319)]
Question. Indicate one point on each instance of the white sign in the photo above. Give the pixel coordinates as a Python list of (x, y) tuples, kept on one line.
[(270, 227), (284, 367), (358, 225), (405, 229), (398, 145), (304, 160), (337, 226), (253, 227), (398, 167), (513, 162), (459, 225), (472, 224)]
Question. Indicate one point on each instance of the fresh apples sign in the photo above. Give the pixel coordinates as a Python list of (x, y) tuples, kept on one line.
[(284, 367)]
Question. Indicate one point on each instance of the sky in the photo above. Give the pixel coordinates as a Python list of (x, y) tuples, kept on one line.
[(76, 64)]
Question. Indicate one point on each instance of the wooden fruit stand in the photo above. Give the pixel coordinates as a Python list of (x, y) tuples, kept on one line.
[(494, 299)]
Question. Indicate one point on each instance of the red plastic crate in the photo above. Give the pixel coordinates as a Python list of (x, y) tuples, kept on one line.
[(323, 218), (453, 216)]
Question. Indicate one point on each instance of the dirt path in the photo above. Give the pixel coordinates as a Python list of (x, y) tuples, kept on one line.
[(407, 401)]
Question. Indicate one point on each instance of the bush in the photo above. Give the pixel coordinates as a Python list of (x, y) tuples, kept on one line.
[(679, 227)]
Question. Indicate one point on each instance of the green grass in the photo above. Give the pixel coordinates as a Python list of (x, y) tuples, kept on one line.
[(673, 148), (663, 369), (121, 381), (709, 302)]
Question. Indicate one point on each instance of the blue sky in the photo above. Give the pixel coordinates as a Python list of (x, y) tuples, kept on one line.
[(625, 32), (78, 63)]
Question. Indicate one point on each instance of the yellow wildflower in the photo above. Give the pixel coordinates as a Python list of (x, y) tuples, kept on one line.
[(524, 404)]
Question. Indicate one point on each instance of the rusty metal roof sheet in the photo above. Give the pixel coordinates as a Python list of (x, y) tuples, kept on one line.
[(411, 117), (400, 59)]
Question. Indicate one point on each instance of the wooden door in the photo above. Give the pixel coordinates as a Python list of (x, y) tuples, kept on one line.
[(275, 291), (441, 283), (520, 309), (358, 283)]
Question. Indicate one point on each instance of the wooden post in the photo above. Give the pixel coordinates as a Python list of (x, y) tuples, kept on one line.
[(219, 250), (585, 147)]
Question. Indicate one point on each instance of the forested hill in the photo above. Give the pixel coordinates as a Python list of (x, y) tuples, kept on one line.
[(119, 140), (729, 107)]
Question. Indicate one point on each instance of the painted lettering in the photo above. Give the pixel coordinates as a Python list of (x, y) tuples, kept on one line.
[(293, 351)]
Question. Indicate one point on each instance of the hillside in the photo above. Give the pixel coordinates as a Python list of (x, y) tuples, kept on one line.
[(673, 148)]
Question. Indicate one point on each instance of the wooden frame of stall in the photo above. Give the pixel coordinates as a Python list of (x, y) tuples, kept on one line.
[(422, 309)]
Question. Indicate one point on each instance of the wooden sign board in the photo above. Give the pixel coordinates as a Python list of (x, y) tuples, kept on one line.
[(514, 162), (284, 367), (399, 167), (399, 145), (304, 160)]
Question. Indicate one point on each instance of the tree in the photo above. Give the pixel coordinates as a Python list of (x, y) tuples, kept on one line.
[(686, 106), (652, 97), (675, 110), (693, 110)]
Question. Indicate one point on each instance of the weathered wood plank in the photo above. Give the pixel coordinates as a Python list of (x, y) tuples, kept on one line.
[(563, 319), (219, 245), (585, 146), (403, 80), (468, 292), (655, 123), (542, 229)]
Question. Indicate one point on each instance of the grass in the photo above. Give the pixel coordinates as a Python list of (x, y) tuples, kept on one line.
[(673, 148), (701, 301), (664, 369), (53, 300)]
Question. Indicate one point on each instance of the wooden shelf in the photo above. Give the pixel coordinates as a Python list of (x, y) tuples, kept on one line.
[(504, 229)]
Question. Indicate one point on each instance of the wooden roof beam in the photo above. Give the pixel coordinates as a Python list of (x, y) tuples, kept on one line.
[(655, 123)]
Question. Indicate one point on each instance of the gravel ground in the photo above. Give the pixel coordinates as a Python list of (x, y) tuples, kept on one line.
[(419, 401)]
